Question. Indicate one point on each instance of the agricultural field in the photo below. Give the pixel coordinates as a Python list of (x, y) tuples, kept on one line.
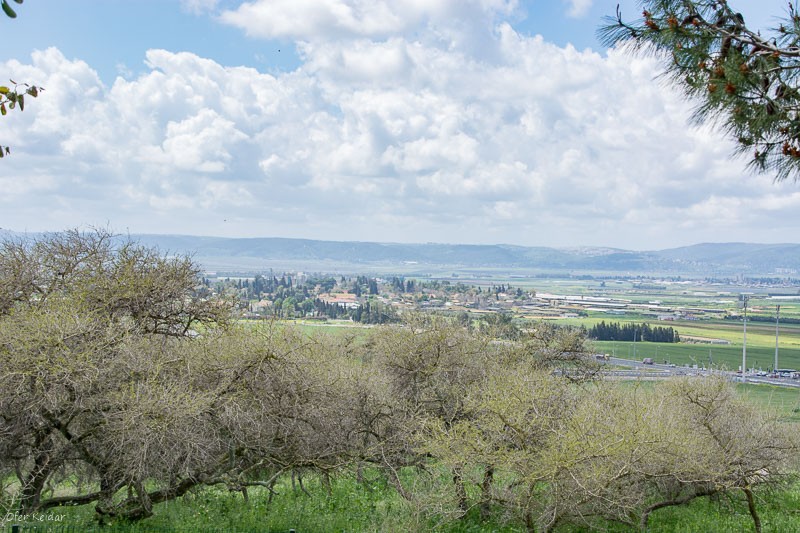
[(707, 340), (784, 401), (712, 343)]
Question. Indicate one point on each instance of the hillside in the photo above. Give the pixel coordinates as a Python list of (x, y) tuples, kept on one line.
[(701, 259), (247, 254)]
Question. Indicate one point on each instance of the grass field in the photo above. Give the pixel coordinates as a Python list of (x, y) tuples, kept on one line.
[(784, 401), (703, 355), (760, 342), (373, 506)]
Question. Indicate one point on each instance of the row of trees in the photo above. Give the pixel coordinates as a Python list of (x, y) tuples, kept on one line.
[(370, 312), (122, 388), (763, 318), (615, 331)]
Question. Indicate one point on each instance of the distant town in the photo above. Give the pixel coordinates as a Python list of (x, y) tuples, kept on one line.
[(383, 299)]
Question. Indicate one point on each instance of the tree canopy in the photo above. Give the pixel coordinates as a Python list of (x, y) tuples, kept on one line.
[(744, 81)]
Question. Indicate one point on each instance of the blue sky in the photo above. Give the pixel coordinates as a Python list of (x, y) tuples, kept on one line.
[(472, 121), (113, 35)]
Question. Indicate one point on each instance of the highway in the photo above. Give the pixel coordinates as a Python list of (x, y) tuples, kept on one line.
[(641, 370)]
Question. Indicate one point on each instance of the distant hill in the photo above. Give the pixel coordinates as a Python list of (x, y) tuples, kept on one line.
[(257, 253), (742, 257)]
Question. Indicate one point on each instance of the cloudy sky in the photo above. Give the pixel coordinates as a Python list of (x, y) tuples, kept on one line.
[(456, 121)]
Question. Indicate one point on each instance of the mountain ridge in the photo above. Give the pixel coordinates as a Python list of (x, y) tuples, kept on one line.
[(703, 258), (260, 253)]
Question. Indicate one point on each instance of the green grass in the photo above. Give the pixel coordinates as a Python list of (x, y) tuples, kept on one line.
[(351, 506), (334, 327), (729, 515), (784, 400), (760, 344), (758, 333), (376, 507), (722, 356)]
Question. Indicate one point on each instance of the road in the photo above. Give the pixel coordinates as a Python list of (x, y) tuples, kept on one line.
[(660, 371)]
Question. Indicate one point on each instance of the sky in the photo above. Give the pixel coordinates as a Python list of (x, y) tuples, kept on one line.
[(450, 121)]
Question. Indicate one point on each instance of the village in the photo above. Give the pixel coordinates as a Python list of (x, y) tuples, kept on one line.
[(320, 297)]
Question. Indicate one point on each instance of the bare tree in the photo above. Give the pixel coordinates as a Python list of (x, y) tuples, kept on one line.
[(83, 318)]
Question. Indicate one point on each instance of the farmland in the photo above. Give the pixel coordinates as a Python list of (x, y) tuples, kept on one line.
[(708, 315)]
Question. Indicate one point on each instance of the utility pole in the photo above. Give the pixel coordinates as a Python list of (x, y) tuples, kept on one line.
[(744, 341), (777, 321)]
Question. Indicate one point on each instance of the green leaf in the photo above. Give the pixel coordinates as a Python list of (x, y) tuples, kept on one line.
[(8, 11), (18, 1), (33, 91), (21, 100), (3, 109), (4, 89)]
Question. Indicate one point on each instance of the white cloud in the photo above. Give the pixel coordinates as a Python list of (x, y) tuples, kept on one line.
[(578, 8), (391, 136), (321, 20), (199, 6), (198, 143)]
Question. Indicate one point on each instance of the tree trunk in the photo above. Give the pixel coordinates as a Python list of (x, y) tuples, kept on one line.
[(326, 482), (140, 505), (34, 483), (461, 491), (394, 479), (300, 482), (105, 502), (486, 492), (751, 505), (271, 487), (530, 523)]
